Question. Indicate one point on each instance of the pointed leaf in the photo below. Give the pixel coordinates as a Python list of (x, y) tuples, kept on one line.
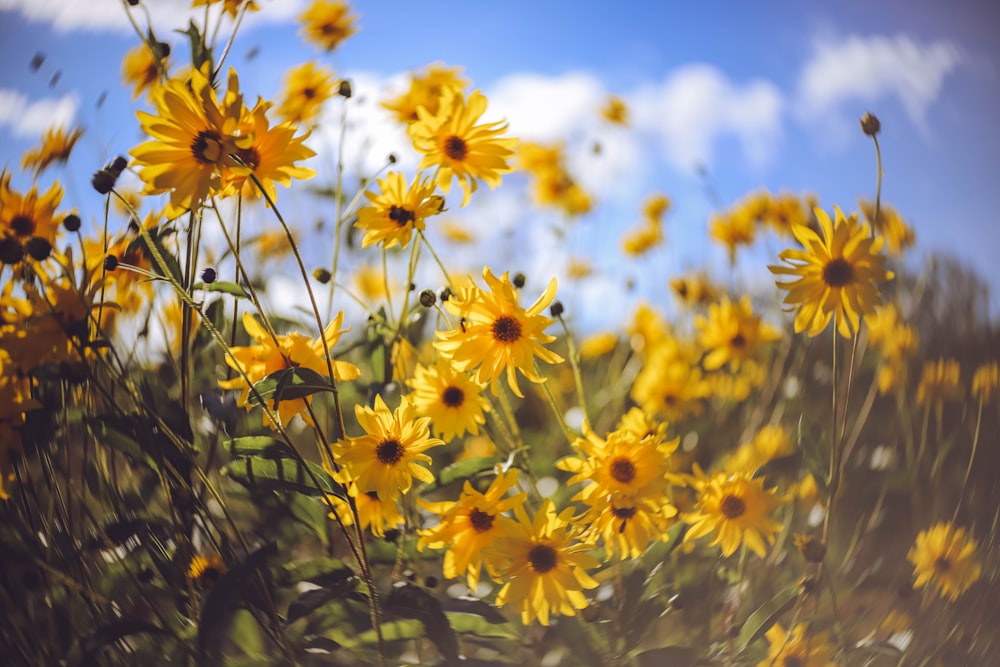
[(264, 475), (288, 384), (414, 602), (224, 287), (767, 614), (259, 445)]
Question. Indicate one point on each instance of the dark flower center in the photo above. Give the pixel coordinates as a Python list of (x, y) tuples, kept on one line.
[(481, 521), (670, 400), (738, 341), (838, 272), (793, 661), (207, 147), (209, 575), (309, 93), (506, 329), (542, 558), (625, 513), (942, 564), (401, 216), (733, 507), (372, 494), (453, 397), (250, 157), (623, 470), (22, 225), (455, 148), (389, 452)]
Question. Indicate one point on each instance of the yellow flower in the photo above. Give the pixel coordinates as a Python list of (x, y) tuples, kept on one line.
[(452, 141), (836, 274), (470, 524), (733, 230), (387, 458), (615, 110), (23, 216), (797, 649), (231, 7), (627, 525), (544, 569), (188, 145), (732, 333), (426, 91), (669, 386), (326, 23), (374, 514), (735, 509), (895, 339), (306, 88), (655, 206), (496, 335), (450, 398), (558, 189), (56, 146), (939, 383), (14, 403), (944, 558), (206, 570), (539, 158), (579, 268), (598, 345), (397, 210), (784, 212), (985, 381), (141, 68), (694, 290), (642, 239), (898, 235), (270, 354), (770, 442), (456, 232)]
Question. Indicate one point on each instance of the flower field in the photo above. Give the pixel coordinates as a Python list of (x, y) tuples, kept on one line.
[(431, 461)]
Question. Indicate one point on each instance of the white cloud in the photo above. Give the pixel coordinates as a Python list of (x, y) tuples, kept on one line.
[(697, 105), (109, 15), (31, 119), (867, 69)]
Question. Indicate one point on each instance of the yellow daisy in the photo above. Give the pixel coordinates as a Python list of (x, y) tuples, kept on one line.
[(940, 382), (732, 333), (426, 90), (374, 514), (615, 110), (797, 649), (206, 570), (326, 23), (670, 386), (944, 558), (627, 525), (452, 142), (985, 381), (470, 524), (57, 144), (732, 230), (306, 89), (23, 216), (836, 274), (387, 458), (450, 398), (496, 335), (142, 68), (735, 509), (695, 290), (898, 235), (544, 569), (394, 213)]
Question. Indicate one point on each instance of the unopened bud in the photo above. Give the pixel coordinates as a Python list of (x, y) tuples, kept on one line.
[(427, 298), (71, 222), (322, 276), (39, 248), (110, 263), (345, 89), (556, 308), (870, 124), (519, 280), (103, 181), (209, 275)]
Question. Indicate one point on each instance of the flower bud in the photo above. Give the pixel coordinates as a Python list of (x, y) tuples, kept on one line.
[(427, 298), (519, 280), (322, 276), (103, 181), (556, 308), (39, 248), (345, 89), (208, 276), (110, 263), (870, 124), (71, 222)]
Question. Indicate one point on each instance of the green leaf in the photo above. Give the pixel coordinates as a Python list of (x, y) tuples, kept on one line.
[(475, 606), (199, 53), (414, 602), (480, 626), (225, 287), (464, 469), (325, 572), (110, 634), (265, 475), (259, 445), (767, 614), (121, 434), (309, 512), (288, 384), (308, 602), (172, 266)]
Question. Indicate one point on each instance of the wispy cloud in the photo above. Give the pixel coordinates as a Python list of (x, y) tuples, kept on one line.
[(868, 69), (29, 119)]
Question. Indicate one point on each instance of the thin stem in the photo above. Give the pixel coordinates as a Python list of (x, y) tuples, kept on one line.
[(574, 361), (972, 457)]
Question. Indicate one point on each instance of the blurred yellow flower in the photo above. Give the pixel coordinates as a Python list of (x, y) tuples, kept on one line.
[(373, 513), (798, 648), (496, 335), (544, 569), (398, 210), (426, 91), (456, 232), (944, 558), (985, 381), (598, 345), (669, 385), (469, 525), (457, 146), (836, 274), (615, 110), (57, 144), (23, 216), (735, 509), (940, 382), (306, 89), (231, 7), (694, 290), (206, 570), (898, 235), (732, 333), (390, 455), (142, 68), (326, 23), (642, 239), (733, 230)]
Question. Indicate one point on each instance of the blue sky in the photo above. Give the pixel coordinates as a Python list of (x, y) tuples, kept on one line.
[(764, 95)]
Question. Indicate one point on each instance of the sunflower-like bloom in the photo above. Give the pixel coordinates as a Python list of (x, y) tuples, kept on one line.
[(735, 509), (326, 23), (206, 570), (451, 399), (732, 333), (627, 525), (470, 524), (895, 339), (373, 514), (797, 648), (394, 213), (598, 345), (985, 381), (426, 91), (669, 385), (23, 216), (940, 382), (898, 235), (695, 290), (496, 335), (141, 68), (269, 153), (388, 457), (734, 229), (770, 442), (270, 354), (944, 558), (189, 144), (452, 141), (836, 274), (544, 569), (306, 88), (615, 110), (57, 144)]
